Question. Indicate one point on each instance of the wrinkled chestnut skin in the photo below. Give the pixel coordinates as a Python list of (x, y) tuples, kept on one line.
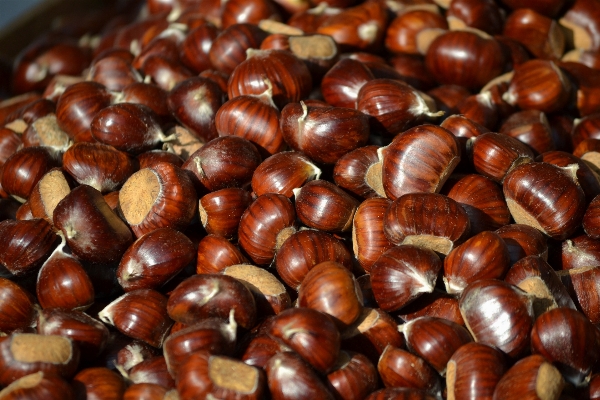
[(464, 58)]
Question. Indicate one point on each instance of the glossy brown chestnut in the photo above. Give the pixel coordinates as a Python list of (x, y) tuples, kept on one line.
[(253, 117), (419, 160), (428, 220), (399, 368), (484, 15), (529, 185), (204, 375), (228, 161), (536, 277), (128, 127), (62, 282), (402, 274), (310, 333), (154, 259), (229, 47), (93, 231), (265, 225), (212, 334), (483, 201), (146, 391), (100, 166), (498, 314), (542, 36), (140, 314), (466, 58), (437, 304), (394, 105), (494, 154), (522, 241), (473, 371), (483, 256), (17, 309), (159, 197), (341, 84), (194, 103), (304, 384), (581, 284), (27, 353), (532, 128), (151, 370), (580, 251), (283, 172), (98, 382), (360, 27), (88, 334), (539, 85), (221, 211), (26, 244), (531, 376), (354, 376), (38, 385), (407, 31), (324, 134), (207, 295), (288, 74), (270, 294), (330, 288), (368, 236), (24, 168), (359, 171), (78, 105), (566, 338), (215, 253), (195, 47), (324, 206), (48, 192)]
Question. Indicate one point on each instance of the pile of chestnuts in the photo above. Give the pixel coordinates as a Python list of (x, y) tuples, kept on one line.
[(294, 199)]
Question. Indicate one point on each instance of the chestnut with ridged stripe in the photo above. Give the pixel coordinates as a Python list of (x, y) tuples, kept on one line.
[(418, 160)]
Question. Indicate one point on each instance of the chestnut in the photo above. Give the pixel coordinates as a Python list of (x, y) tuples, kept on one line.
[(100, 382), (542, 36), (140, 314), (564, 201), (288, 75), (419, 160), (88, 334), (229, 48), (474, 370), (290, 377), (522, 241), (215, 253), (62, 282), (483, 256), (154, 259), (323, 205), (341, 84), (18, 312), (159, 197), (39, 385), (498, 314), (330, 288), (437, 304), (359, 171), (92, 230), (27, 353), (324, 134), (26, 244), (402, 274), (203, 375), (207, 295), (428, 220), (399, 368), (283, 172), (265, 225), (54, 186), (406, 31), (435, 340), (310, 333), (227, 161), (368, 235), (531, 376), (354, 376)]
